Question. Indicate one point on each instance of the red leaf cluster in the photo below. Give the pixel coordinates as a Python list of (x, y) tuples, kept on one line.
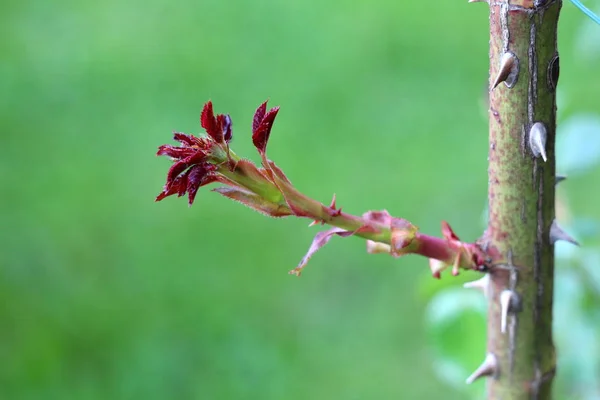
[(192, 167), (195, 160)]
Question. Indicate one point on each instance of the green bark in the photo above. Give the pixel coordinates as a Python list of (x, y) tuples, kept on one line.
[(521, 198)]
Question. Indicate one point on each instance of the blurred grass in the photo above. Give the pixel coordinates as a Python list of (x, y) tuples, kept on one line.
[(105, 294)]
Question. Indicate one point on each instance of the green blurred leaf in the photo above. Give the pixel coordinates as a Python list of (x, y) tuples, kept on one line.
[(456, 327), (576, 336), (578, 144)]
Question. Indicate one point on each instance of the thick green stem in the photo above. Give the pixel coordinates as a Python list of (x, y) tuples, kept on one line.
[(521, 195)]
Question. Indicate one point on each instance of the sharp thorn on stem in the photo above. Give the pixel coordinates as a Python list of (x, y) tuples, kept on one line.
[(480, 284), (489, 367), (506, 298), (509, 70), (558, 179), (557, 233), (537, 140)]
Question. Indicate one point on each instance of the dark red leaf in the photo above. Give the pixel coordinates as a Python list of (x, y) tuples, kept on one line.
[(260, 135), (185, 139), (175, 151), (176, 170), (178, 186), (258, 116), (194, 180), (218, 134), (209, 122), (197, 158)]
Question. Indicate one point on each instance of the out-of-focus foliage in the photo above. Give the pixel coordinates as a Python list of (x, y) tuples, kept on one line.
[(105, 294)]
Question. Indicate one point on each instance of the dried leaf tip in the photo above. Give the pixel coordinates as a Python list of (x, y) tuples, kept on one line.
[(506, 297), (509, 70), (489, 367), (537, 140), (482, 284), (557, 233)]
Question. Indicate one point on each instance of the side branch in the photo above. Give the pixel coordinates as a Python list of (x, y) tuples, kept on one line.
[(199, 161)]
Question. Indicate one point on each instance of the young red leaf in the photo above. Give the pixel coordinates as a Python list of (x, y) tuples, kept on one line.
[(261, 126), (176, 170), (259, 114), (199, 175), (177, 186), (209, 123), (184, 139), (175, 151)]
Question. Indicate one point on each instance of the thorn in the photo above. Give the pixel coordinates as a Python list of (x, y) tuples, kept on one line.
[(505, 304), (537, 140), (478, 1), (480, 284), (332, 204), (456, 265), (509, 69), (558, 179), (489, 367), (333, 210), (557, 233)]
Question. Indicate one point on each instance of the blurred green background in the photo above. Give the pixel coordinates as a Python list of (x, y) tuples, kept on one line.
[(106, 294)]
